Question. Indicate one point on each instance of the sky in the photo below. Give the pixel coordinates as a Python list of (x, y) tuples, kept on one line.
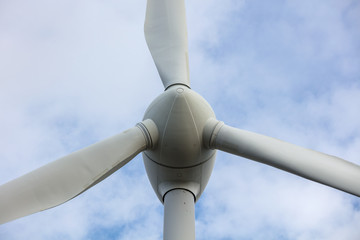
[(75, 72)]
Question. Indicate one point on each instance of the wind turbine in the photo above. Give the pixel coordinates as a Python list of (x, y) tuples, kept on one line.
[(178, 136)]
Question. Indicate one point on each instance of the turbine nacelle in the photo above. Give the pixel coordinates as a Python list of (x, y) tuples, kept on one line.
[(180, 159)]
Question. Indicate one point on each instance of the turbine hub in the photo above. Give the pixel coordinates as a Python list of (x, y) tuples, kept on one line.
[(180, 115), (180, 160)]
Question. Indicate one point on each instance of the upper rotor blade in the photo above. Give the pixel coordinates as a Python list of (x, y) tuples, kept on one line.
[(166, 37), (67, 177), (326, 169)]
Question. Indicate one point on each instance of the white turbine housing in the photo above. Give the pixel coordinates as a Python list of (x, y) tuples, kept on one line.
[(180, 158)]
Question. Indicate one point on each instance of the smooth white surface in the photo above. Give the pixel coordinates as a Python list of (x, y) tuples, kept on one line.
[(180, 115), (180, 159), (164, 179), (179, 215), (67, 177), (166, 36), (329, 170)]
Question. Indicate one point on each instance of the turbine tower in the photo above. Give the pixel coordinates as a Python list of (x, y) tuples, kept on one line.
[(178, 138)]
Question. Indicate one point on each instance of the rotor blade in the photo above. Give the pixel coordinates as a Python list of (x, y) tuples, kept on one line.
[(67, 177), (166, 37), (326, 169)]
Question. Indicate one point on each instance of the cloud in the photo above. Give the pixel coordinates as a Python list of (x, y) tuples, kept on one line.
[(72, 73)]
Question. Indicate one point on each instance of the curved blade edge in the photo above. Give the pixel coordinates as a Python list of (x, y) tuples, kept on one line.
[(69, 176), (316, 166)]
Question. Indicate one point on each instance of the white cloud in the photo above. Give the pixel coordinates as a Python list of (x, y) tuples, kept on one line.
[(72, 73)]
